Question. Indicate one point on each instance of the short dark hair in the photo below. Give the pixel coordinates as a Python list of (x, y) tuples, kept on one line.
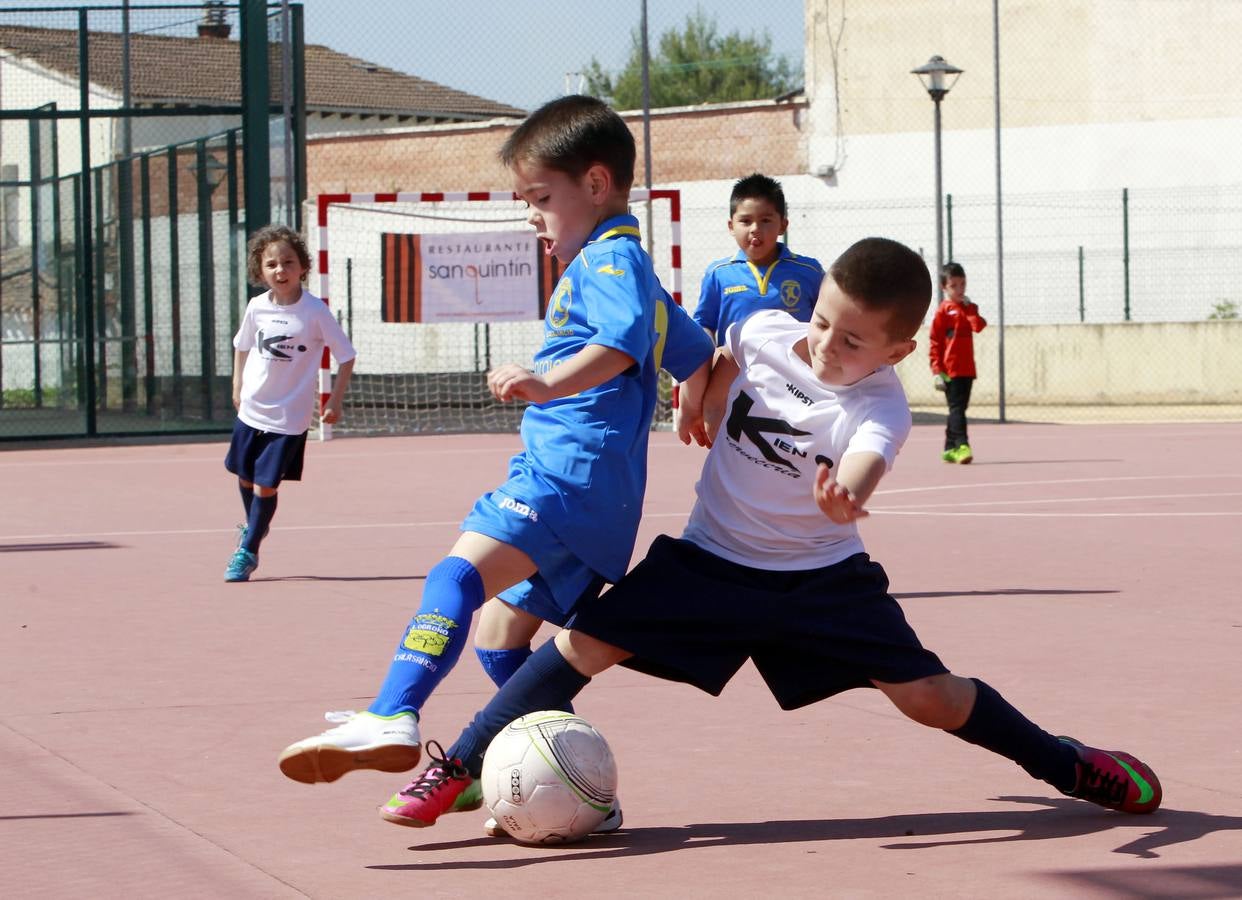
[(884, 275), (571, 134), (951, 270), (758, 187), (266, 236)]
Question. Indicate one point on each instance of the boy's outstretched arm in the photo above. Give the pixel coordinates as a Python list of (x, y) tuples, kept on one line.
[(724, 370), (332, 411), (690, 406), (591, 366), (841, 495)]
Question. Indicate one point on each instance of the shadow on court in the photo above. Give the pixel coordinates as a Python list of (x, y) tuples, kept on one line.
[(61, 545), (1058, 818)]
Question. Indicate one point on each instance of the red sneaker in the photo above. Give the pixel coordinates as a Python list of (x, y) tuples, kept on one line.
[(444, 786), (1114, 779)]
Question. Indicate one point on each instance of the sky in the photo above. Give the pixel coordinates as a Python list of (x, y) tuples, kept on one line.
[(518, 51), (513, 51)]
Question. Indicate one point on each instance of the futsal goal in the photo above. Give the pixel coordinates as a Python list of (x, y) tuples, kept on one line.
[(436, 288)]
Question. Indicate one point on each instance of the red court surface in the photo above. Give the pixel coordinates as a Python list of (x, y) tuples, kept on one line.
[(1089, 573)]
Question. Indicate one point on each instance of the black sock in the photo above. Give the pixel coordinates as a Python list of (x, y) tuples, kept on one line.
[(997, 726), (545, 681), (261, 512), (247, 495)]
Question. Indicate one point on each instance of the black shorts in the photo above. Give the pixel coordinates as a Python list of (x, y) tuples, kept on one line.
[(688, 615), (265, 457)]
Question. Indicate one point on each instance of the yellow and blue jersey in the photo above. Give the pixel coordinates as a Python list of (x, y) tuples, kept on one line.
[(734, 287), (584, 467)]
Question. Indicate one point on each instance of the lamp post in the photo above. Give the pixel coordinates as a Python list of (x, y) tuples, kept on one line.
[(935, 75)]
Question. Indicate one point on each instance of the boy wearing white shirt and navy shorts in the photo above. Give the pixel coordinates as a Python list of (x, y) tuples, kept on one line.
[(771, 567), (278, 348)]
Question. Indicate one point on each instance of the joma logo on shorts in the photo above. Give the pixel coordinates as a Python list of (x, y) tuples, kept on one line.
[(520, 508)]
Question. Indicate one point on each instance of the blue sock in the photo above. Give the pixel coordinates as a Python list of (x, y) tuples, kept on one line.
[(501, 664), (433, 641), (545, 681), (261, 512), (247, 495), (997, 726)]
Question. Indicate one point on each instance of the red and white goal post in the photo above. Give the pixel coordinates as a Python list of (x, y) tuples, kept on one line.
[(403, 367)]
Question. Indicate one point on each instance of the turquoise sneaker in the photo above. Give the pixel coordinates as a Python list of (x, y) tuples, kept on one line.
[(241, 565)]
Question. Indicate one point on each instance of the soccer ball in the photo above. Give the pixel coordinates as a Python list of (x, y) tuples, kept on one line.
[(549, 778)]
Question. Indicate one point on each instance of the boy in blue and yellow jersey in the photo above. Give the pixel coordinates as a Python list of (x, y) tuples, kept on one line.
[(764, 273), (565, 520)]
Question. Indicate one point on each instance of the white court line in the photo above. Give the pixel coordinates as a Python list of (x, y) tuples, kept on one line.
[(1102, 478), (168, 532), (219, 459), (1058, 500), (1054, 515)]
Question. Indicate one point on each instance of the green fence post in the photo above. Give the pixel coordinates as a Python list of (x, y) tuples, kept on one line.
[(174, 283), (148, 293), (86, 272), (236, 294), (100, 297), (255, 91), (36, 178), (206, 281)]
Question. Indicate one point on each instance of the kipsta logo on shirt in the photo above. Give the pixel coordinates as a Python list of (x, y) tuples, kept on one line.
[(275, 346), (755, 427)]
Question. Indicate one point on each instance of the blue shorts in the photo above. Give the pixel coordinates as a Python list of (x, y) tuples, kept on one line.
[(688, 615), (265, 457), (562, 582)]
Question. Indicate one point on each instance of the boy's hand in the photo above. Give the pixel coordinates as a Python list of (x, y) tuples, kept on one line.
[(512, 382), (690, 426), (332, 412), (834, 499), (942, 380)]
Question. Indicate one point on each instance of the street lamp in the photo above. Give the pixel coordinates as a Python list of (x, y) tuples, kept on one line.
[(935, 75)]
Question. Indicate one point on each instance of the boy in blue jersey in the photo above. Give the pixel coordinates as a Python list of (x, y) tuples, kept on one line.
[(764, 273), (771, 567), (565, 520)]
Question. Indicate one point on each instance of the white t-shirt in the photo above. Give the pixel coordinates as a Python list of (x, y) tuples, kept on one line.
[(285, 345), (755, 504)]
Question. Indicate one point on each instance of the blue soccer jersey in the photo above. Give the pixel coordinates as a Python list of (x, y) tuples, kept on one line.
[(734, 288), (584, 467)]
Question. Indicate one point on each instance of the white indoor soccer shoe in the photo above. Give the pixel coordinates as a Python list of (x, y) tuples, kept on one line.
[(361, 740)]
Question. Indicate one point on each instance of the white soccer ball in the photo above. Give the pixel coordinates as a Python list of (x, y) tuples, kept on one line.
[(549, 778)]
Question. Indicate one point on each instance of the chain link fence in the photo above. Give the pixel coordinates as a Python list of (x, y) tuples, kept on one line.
[(1109, 277)]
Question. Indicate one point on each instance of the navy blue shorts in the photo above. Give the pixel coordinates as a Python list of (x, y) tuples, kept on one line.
[(265, 457), (688, 615)]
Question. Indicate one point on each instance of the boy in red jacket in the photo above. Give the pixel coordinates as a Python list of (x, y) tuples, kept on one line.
[(952, 349)]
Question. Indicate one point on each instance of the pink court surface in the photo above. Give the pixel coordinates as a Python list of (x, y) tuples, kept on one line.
[(1089, 573)]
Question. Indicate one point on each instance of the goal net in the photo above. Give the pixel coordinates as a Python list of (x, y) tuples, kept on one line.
[(435, 289)]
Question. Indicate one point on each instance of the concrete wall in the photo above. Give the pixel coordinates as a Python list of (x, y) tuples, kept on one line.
[(1121, 364)]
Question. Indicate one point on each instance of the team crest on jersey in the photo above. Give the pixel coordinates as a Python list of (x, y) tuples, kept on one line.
[(791, 293), (558, 309)]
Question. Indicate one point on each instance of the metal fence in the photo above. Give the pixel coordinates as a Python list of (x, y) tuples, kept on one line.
[(122, 217)]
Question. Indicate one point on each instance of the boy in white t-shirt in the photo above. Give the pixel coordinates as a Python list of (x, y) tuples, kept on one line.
[(278, 347), (771, 567)]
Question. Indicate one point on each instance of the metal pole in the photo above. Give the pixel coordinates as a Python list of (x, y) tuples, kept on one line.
[(647, 123), (1000, 243), (86, 273), (286, 95), (1082, 297), (1125, 245), (939, 209)]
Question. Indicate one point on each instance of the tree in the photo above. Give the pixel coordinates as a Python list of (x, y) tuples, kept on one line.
[(696, 65)]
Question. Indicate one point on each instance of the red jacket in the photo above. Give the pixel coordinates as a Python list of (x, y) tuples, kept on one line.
[(951, 340)]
